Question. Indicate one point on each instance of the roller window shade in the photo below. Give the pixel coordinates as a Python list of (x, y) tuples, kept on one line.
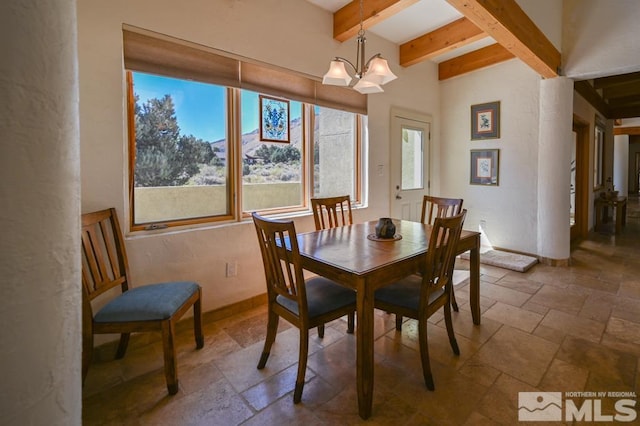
[(340, 98), (170, 57), (277, 83), (163, 57)]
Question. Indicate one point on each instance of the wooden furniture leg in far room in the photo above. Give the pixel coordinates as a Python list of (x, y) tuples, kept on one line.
[(474, 281)]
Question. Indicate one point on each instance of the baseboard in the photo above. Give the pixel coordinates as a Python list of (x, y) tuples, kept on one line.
[(554, 262)]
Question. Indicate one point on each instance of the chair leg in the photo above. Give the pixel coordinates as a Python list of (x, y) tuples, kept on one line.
[(197, 322), (169, 349), (87, 352), (321, 331), (272, 331), (351, 322), (453, 300), (122, 346), (424, 353), (302, 365), (449, 323), (398, 322), (87, 335)]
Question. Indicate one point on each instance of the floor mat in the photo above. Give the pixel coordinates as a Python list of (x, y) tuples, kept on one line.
[(503, 259)]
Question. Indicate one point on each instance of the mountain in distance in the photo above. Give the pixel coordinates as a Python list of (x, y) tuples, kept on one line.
[(251, 141)]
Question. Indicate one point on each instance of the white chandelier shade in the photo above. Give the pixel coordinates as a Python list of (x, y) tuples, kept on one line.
[(371, 75), (379, 71), (367, 87), (337, 74)]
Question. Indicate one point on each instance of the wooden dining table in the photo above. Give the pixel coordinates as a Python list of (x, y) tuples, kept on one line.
[(352, 257)]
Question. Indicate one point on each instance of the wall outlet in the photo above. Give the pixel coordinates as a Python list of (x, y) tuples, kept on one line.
[(232, 269)]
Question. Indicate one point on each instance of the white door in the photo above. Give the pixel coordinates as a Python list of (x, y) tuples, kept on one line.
[(409, 168)]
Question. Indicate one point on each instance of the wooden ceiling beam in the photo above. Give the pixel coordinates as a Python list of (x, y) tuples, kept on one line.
[(603, 82), (625, 100), (452, 36), (346, 21), (586, 90), (622, 90), (507, 23), (473, 60), (631, 131), (624, 112)]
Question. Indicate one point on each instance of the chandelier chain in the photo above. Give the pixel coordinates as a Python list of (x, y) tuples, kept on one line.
[(361, 32)]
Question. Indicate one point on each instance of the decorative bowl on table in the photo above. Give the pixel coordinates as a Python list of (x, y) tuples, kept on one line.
[(385, 228), (385, 231)]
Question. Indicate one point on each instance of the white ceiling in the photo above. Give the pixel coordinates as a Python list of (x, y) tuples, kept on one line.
[(422, 17)]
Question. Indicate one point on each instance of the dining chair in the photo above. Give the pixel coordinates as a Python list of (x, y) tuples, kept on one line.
[(331, 212), (152, 307), (433, 207), (419, 297), (305, 304)]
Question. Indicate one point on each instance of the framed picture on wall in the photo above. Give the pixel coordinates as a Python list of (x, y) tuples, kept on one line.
[(485, 121), (274, 119), (485, 166)]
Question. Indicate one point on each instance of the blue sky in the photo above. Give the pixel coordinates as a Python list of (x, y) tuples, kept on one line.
[(200, 107)]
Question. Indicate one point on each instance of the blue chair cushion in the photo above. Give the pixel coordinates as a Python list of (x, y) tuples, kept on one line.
[(147, 303), (323, 295), (405, 293)]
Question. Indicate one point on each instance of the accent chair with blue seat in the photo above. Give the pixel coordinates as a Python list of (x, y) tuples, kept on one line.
[(306, 304), (420, 296), (153, 307)]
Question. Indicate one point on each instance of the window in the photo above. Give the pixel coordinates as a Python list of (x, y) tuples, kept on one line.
[(195, 151), (336, 153), (179, 138), (183, 140), (273, 172)]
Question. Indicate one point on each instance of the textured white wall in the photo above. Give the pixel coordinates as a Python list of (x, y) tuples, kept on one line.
[(510, 209), (600, 37), (547, 15), (290, 33), (40, 294), (554, 165)]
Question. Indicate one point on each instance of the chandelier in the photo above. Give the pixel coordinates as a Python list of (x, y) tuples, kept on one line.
[(371, 75)]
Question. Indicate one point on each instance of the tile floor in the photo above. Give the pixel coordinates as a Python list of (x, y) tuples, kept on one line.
[(553, 329)]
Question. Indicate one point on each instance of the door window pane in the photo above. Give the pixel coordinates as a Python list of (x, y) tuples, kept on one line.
[(412, 158)]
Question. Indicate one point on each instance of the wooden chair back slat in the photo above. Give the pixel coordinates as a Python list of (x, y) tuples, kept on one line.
[(103, 255), (281, 259), (110, 242), (440, 257), (434, 207), (331, 212)]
